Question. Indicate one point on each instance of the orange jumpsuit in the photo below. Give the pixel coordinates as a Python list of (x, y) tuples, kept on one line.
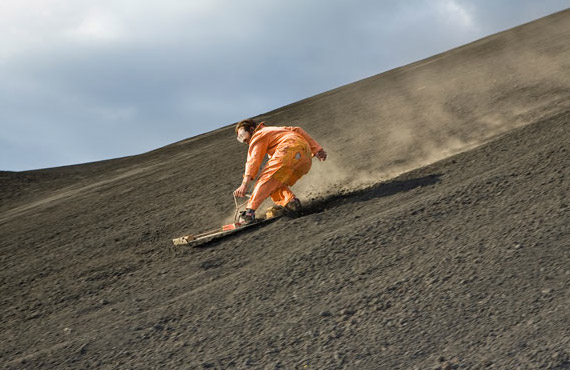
[(290, 151)]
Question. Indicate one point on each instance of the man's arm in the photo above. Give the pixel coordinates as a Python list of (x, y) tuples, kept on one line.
[(256, 152)]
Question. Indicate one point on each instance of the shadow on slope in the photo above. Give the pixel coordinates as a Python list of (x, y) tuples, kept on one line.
[(379, 190), (320, 204)]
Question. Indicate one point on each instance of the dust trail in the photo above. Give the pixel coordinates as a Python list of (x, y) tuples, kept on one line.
[(418, 117), (410, 117)]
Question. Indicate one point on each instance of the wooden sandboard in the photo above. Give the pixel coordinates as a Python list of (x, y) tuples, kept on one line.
[(220, 232)]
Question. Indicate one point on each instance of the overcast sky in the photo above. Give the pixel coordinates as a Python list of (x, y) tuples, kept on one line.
[(84, 80)]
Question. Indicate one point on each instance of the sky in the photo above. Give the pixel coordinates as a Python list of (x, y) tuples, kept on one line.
[(83, 80)]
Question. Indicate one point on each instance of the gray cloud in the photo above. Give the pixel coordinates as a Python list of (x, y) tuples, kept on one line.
[(84, 82)]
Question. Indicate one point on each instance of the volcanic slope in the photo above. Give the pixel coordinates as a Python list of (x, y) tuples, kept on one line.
[(401, 261)]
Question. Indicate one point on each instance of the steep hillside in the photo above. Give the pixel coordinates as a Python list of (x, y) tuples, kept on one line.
[(402, 261)]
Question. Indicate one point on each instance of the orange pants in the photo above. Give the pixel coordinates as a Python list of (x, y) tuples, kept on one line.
[(294, 163)]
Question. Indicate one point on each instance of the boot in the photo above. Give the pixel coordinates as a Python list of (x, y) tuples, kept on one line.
[(247, 217), (274, 211), (294, 205)]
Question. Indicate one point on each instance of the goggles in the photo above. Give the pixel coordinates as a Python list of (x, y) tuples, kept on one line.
[(241, 135)]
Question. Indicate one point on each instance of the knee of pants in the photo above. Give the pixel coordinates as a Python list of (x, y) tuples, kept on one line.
[(262, 191), (282, 195)]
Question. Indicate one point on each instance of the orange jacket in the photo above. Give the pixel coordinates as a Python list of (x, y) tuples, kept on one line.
[(274, 141)]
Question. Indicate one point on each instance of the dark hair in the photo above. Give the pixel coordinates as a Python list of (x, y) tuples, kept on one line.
[(248, 124)]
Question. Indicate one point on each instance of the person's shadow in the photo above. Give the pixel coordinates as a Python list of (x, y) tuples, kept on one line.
[(383, 189)]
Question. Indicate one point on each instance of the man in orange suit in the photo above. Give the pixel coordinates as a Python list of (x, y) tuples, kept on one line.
[(290, 151)]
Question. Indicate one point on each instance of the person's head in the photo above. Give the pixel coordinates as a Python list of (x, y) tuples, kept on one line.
[(245, 129)]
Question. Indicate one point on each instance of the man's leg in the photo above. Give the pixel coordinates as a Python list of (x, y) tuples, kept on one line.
[(264, 190), (277, 186), (282, 195)]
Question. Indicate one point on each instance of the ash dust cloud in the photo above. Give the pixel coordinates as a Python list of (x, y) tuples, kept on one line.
[(419, 117), (413, 116)]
